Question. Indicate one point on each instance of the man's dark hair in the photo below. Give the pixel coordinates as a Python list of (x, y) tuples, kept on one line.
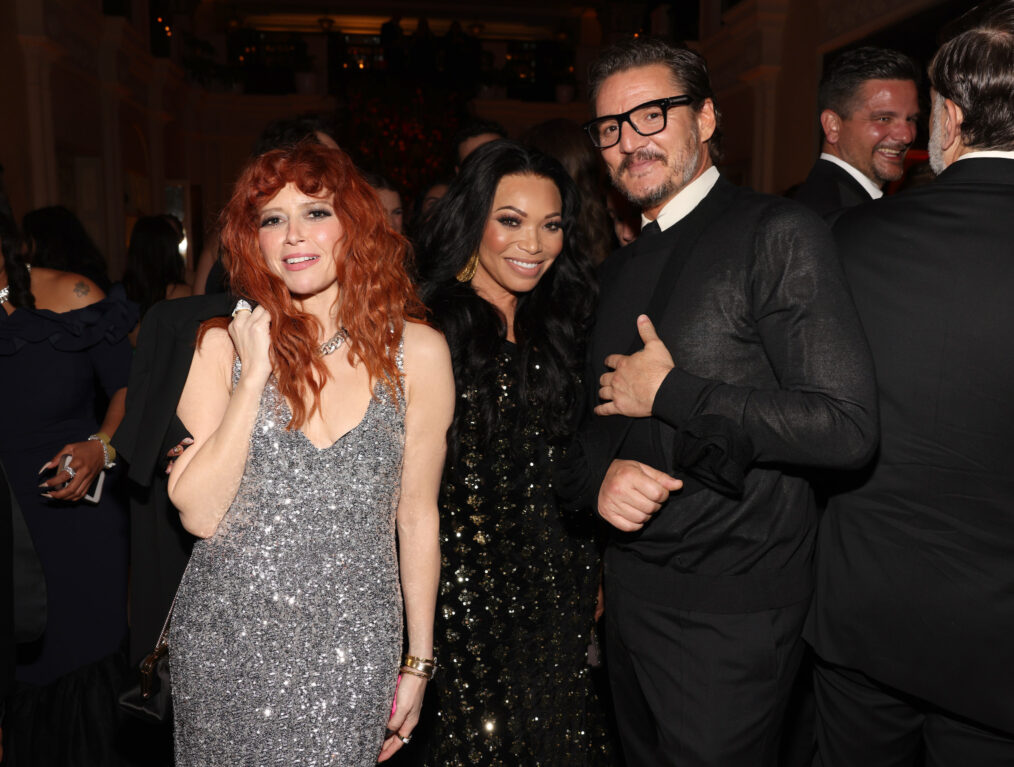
[(377, 181), (975, 70), (839, 87), (689, 72), (286, 133), (474, 128)]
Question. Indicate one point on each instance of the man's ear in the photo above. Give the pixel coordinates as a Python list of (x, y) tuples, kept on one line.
[(706, 121), (954, 116), (830, 121)]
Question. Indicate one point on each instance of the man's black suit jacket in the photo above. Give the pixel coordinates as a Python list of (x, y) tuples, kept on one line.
[(159, 546), (764, 335), (829, 190), (915, 567)]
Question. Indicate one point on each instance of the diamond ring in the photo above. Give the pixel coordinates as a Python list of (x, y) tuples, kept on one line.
[(242, 306), (70, 470), (405, 739)]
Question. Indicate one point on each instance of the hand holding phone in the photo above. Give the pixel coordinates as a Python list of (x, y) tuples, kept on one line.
[(75, 473)]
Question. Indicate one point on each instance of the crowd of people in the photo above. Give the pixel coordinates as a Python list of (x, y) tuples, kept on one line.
[(535, 471)]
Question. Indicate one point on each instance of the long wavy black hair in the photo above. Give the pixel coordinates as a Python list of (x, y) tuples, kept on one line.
[(12, 249), (551, 321), (153, 261), (58, 240)]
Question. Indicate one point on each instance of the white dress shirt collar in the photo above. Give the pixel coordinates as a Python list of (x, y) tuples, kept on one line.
[(686, 199), (875, 191), (989, 153)]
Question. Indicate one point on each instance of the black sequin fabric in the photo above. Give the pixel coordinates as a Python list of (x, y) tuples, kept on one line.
[(516, 602)]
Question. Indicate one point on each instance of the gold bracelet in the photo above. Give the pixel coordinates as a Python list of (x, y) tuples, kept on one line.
[(413, 672), (425, 665), (108, 452), (108, 442)]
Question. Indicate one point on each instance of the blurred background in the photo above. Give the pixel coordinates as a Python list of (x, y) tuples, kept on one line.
[(118, 109)]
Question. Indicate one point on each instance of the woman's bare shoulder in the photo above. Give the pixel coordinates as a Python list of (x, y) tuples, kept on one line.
[(424, 344), (428, 365), (216, 344), (212, 362), (63, 291)]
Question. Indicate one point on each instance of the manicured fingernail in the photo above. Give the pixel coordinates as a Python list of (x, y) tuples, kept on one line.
[(44, 484), (44, 467), (45, 495)]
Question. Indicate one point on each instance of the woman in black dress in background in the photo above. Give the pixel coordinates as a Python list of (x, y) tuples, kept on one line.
[(516, 604), (62, 341)]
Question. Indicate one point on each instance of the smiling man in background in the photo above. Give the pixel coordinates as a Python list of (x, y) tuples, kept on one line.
[(913, 615), (868, 104)]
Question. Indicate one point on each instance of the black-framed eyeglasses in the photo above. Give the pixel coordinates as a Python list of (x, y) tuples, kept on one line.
[(647, 119)]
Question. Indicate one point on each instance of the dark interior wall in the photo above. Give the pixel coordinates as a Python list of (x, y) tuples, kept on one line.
[(13, 126), (797, 140)]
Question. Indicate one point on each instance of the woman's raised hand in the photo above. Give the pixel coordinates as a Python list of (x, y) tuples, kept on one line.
[(250, 333)]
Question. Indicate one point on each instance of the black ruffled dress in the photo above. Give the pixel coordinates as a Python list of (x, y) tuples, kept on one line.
[(52, 367)]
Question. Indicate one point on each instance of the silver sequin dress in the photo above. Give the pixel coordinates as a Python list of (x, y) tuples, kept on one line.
[(287, 632)]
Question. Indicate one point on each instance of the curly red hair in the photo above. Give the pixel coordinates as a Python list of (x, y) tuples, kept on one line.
[(376, 297)]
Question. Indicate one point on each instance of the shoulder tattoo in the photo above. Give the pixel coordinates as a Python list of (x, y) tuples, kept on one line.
[(81, 289)]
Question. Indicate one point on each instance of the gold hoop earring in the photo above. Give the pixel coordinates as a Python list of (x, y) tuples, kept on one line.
[(468, 270)]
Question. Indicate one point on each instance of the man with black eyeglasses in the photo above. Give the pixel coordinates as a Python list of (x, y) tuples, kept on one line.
[(752, 366)]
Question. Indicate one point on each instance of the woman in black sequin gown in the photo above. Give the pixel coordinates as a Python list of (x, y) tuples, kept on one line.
[(506, 284)]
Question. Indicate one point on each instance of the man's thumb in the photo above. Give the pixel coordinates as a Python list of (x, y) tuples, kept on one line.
[(646, 329)]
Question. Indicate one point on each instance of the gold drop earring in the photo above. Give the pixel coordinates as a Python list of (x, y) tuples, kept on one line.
[(468, 270)]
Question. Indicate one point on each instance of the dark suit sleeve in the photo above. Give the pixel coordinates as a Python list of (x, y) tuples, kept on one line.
[(579, 474), (129, 439), (165, 348), (823, 412)]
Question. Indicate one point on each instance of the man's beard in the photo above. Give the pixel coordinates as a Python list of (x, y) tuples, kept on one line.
[(681, 172), (936, 138)]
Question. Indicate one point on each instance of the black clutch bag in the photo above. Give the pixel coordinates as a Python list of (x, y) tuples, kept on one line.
[(151, 698)]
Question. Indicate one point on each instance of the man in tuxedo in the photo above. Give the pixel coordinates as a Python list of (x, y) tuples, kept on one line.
[(913, 617), (868, 106), (752, 365)]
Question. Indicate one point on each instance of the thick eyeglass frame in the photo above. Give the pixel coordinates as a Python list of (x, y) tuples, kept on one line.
[(663, 104)]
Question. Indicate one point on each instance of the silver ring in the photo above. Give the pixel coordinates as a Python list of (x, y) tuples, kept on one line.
[(70, 470), (242, 306), (405, 739)]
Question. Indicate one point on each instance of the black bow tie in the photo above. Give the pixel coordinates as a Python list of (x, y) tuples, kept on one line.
[(650, 229)]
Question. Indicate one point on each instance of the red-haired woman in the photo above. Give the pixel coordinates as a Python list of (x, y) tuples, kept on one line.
[(319, 421)]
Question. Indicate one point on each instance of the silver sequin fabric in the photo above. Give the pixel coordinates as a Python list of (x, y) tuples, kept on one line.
[(287, 631)]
